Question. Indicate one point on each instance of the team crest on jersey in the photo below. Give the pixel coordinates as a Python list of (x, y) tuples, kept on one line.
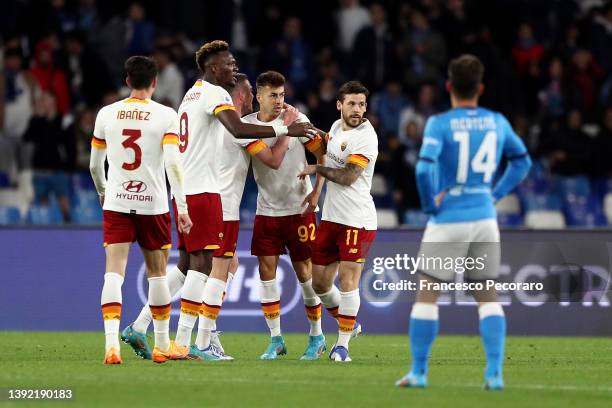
[(343, 145), (220, 235), (134, 186)]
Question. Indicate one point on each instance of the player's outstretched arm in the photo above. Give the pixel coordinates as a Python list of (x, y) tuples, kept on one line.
[(345, 176), (515, 172), (241, 130), (96, 166), (174, 171)]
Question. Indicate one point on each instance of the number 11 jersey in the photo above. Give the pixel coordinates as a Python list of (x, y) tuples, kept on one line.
[(133, 131)]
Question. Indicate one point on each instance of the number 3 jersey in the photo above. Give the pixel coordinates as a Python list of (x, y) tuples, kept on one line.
[(351, 205), (133, 132), (467, 144)]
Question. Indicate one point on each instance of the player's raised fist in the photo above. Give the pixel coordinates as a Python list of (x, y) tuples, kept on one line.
[(290, 115), (184, 223), (297, 129)]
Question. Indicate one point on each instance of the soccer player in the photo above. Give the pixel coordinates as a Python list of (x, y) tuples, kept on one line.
[(138, 137), (205, 111), (285, 216), (234, 165), (349, 223), (461, 152)]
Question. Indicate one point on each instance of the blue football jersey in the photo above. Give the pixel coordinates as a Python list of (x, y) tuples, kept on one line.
[(466, 146)]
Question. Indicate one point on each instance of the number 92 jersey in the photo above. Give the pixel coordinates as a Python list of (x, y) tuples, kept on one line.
[(133, 131), (467, 145)]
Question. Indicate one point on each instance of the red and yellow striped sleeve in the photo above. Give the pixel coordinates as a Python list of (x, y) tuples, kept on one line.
[(222, 107), (255, 147), (170, 138), (314, 144), (98, 143), (358, 159)]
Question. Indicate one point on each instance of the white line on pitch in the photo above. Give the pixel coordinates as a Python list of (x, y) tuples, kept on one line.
[(539, 387)]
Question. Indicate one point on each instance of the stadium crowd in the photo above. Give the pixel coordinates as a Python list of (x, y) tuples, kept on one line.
[(548, 68)]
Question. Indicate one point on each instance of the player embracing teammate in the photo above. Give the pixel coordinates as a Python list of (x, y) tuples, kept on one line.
[(285, 218), (349, 221), (285, 211)]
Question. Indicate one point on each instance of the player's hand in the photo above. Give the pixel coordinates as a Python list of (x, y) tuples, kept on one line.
[(311, 200), (184, 223), (101, 198), (308, 170), (290, 115), (299, 129), (438, 198)]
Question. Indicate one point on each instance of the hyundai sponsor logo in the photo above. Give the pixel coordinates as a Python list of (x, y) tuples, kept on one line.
[(134, 186)]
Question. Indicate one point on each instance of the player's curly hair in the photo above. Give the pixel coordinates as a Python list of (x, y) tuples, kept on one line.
[(208, 50)]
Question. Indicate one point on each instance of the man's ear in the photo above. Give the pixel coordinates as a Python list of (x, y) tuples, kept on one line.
[(481, 89), (339, 105), (128, 82), (448, 86)]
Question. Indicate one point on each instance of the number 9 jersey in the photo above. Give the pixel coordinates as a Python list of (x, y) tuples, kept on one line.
[(201, 136), (133, 131), (466, 145)]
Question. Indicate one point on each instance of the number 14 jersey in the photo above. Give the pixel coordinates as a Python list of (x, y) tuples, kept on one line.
[(467, 145), (133, 132)]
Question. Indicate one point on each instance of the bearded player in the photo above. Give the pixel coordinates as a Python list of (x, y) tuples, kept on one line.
[(349, 223), (138, 137)]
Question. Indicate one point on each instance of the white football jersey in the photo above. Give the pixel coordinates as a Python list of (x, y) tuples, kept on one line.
[(351, 205), (133, 132), (201, 136), (280, 192), (233, 170)]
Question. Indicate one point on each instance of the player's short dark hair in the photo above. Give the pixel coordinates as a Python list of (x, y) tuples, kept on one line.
[(351, 88), (208, 50), (141, 71), (465, 75), (272, 79), (240, 77)]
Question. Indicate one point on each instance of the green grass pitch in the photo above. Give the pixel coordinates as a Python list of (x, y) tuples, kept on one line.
[(539, 372)]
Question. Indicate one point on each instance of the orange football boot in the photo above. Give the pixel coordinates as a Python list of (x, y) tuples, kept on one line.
[(174, 352), (113, 356)]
